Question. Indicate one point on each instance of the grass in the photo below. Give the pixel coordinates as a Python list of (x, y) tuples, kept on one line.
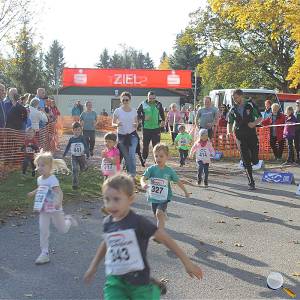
[(166, 138), (14, 189)]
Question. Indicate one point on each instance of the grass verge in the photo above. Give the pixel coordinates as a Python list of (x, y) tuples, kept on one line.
[(14, 189)]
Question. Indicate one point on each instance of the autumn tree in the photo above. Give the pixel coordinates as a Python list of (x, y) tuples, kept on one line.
[(276, 25), (164, 62)]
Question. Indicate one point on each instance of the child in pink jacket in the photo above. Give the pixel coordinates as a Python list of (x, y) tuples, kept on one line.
[(204, 151)]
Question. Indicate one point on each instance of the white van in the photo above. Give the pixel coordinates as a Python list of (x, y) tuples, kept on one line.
[(259, 96)]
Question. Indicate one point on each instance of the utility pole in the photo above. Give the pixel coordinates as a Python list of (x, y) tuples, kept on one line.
[(195, 88)]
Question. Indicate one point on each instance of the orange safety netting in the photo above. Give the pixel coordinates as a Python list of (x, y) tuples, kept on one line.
[(103, 123), (12, 140)]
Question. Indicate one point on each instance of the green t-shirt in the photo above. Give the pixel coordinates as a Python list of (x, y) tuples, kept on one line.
[(183, 139), (151, 112), (166, 173)]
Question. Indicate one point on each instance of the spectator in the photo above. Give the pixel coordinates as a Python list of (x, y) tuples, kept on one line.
[(16, 114), (289, 133), (174, 119), (2, 109), (77, 111), (191, 117), (10, 96), (48, 110), (104, 113), (54, 109), (268, 111), (276, 133), (297, 130), (88, 122), (41, 95), (36, 116), (223, 116), (183, 114), (207, 116)]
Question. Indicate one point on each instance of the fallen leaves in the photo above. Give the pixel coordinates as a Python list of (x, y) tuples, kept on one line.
[(221, 222), (296, 274), (238, 245)]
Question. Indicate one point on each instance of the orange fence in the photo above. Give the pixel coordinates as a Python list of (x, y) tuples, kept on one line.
[(103, 123), (12, 140)]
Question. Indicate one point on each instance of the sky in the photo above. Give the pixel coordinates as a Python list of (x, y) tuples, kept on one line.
[(86, 27)]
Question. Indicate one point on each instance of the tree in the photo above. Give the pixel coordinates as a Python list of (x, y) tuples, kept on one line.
[(26, 65), (273, 28), (104, 61), (116, 61), (11, 15), (164, 62), (54, 64), (186, 55)]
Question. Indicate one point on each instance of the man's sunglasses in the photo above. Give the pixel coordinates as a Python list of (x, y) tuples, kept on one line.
[(125, 100)]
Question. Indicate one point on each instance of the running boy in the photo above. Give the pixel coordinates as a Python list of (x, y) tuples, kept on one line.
[(183, 142), (204, 151), (159, 189), (78, 146), (30, 147), (110, 164), (126, 237)]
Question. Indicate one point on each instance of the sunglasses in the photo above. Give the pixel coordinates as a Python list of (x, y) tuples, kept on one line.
[(125, 100)]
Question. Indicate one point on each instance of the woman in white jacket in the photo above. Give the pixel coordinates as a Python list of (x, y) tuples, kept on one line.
[(36, 115)]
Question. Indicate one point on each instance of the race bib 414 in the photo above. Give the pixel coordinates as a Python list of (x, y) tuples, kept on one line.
[(123, 254)]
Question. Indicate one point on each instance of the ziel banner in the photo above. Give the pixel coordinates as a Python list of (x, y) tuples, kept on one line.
[(131, 78)]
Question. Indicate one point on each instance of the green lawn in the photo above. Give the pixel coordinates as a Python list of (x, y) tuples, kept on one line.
[(166, 138), (14, 189)]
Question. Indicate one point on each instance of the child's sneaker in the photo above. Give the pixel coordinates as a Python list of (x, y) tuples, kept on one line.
[(199, 182), (206, 184), (33, 173), (42, 259), (162, 284)]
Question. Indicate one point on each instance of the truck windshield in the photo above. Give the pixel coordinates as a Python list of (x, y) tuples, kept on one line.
[(260, 98)]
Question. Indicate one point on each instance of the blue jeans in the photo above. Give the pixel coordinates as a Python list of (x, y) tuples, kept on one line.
[(128, 153), (203, 167)]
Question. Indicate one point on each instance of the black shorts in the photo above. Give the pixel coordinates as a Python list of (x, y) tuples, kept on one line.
[(161, 206)]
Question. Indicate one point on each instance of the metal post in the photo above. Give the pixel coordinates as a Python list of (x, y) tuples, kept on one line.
[(195, 88)]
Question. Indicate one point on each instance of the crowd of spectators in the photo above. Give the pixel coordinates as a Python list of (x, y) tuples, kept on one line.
[(27, 111)]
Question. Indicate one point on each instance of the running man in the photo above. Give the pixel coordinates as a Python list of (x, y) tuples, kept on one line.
[(151, 112)]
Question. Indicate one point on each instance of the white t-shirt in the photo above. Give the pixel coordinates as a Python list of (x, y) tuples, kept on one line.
[(51, 181), (127, 119)]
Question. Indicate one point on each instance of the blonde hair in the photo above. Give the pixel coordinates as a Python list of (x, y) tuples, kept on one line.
[(289, 109), (161, 147), (275, 105), (57, 165), (120, 182)]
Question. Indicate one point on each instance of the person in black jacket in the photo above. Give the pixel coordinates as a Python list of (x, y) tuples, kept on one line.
[(151, 113), (16, 114)]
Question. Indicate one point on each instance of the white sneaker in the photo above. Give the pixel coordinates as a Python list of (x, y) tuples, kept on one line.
[(42, 259), (72, 220)]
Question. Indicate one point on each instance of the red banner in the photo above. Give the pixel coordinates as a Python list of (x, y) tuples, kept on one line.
[(131, 78)]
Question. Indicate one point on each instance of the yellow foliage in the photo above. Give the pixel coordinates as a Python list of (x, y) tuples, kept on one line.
[(278, 15), (165, 64)]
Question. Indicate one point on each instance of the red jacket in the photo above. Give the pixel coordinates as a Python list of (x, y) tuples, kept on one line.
[(280, 119)]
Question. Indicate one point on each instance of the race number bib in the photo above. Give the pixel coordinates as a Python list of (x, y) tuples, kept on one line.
[(202, 154), (108, 167), (77, 149), (123, 253), (159, 189), (183, 142), (29, 150), (40, 197)]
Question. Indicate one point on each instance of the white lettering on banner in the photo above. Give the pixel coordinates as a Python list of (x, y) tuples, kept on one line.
[(40, 197), (129, 79), (77, 149), (123, 253), (173, 79), (80, 79), (158, 189)]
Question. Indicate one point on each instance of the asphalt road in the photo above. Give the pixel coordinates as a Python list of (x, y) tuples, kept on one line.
[(237, 236)]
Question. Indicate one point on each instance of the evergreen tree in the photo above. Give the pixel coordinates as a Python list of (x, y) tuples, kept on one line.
[(116, 61), (186, 56), (54, 64), (26, 66), (148, 62), (104, 60)]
